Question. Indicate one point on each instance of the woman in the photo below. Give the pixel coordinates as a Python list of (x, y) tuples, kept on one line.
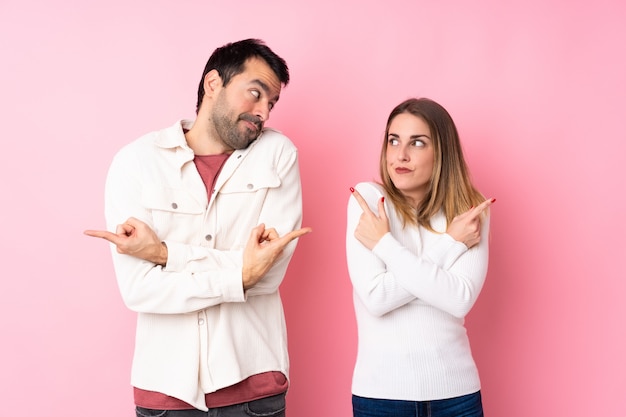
[(417, 252)]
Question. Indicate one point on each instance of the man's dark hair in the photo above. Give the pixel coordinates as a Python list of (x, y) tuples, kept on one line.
[(229, 60)]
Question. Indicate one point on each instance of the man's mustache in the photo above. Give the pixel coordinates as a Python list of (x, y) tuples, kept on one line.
[(252, 119)]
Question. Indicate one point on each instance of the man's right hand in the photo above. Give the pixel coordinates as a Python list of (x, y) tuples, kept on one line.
[(135, 238), (262, 250)]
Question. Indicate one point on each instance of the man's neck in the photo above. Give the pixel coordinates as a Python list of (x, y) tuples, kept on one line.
[(202, 142)]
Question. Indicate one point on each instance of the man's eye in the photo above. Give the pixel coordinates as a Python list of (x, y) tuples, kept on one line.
[(255, 93)]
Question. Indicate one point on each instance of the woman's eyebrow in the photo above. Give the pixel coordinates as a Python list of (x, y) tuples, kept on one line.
[(395, 135)]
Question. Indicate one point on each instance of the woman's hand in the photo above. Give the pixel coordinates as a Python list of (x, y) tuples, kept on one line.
[(372, 226), (465, 228)]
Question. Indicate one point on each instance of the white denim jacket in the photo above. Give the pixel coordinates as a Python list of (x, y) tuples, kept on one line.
[(197, 330)]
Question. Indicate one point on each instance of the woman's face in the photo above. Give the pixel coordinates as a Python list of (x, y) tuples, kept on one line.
[(410, 156)]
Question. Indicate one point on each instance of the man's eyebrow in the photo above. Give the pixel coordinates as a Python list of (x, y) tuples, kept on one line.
[(265, 88)]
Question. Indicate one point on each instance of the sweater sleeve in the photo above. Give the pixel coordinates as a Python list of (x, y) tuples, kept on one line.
[(445, 274), (377, 289), (448, 276)]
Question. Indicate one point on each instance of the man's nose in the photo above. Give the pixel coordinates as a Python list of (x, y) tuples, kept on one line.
[(262, 111)]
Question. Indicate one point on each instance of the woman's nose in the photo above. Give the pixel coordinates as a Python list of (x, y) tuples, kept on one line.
[(403, 155)]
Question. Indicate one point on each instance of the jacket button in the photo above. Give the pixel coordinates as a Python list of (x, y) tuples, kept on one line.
[(249, 186), (208, 238), (174, 205)]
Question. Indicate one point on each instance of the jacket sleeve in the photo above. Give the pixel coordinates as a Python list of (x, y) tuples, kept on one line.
[(282, 210), (146, 287), (377, 289)]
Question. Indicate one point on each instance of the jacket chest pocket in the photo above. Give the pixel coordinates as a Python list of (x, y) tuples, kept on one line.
[(174, 211), (243, 196), (259, 180)]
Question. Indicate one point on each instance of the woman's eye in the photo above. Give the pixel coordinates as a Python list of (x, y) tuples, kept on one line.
[(419, 144), (392, 141)]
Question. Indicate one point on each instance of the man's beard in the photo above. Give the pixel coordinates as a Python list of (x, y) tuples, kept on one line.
[(232, 133)]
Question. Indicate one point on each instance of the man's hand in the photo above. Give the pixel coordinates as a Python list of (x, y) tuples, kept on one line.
[(372, 226), (137, 239), (465, 227), (262, 250)]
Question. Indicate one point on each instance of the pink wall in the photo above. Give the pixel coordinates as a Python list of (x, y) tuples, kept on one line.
[(537, 90)]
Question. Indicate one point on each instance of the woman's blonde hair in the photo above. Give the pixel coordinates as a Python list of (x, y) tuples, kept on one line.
[(450, 189)]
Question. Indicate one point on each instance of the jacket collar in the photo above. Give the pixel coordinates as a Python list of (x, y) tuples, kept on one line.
[(174, 136)]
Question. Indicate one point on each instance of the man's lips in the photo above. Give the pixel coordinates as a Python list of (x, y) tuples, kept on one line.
[(253, 123)]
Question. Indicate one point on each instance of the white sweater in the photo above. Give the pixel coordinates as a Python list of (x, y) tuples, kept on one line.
[(411, 294)]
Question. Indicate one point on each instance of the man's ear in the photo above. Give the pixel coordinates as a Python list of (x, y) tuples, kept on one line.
[(212, 82)]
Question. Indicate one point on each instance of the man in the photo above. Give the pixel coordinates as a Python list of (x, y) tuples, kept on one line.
[(192, 252)]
